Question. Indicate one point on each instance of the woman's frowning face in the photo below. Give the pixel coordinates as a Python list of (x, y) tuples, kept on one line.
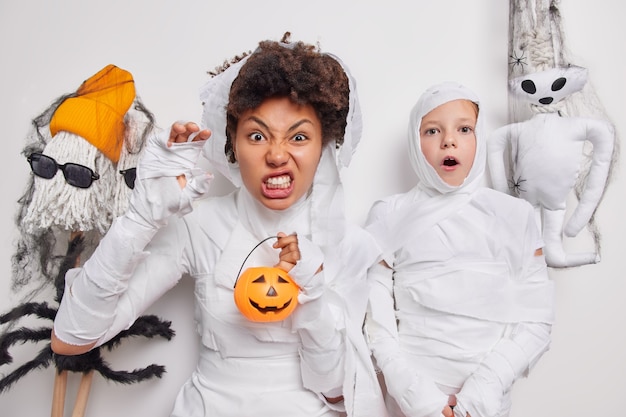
[(278, 146)]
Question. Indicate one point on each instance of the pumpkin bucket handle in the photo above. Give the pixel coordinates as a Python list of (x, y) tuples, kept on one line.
[(250, 253)]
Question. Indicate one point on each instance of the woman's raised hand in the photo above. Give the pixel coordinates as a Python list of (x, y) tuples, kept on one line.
[(186, 132), (168, 176), (183, 132)]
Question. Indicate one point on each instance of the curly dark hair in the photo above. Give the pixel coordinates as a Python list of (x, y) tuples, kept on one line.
[(298, 71)]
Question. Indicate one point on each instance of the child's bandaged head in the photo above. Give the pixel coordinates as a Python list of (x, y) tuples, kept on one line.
[(432, 98)]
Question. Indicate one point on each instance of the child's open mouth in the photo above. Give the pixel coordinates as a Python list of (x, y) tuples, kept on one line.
[(449, 161)]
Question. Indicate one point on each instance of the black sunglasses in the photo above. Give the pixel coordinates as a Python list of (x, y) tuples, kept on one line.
[(129, 176), (76, 175)]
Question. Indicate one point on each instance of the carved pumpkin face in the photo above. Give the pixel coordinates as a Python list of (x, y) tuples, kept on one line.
[(266, 294)]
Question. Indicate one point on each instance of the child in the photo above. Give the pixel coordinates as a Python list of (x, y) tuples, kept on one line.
[(276, 119), (461, 305)]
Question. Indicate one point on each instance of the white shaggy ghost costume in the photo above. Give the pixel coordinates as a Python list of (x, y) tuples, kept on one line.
[(245, 368), (472, 303)]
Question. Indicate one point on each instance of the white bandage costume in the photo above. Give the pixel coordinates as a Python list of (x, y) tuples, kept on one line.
[(467, 307), (246, 368)]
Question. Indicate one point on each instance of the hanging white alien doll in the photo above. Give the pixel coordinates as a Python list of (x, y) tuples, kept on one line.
[(560, 158)]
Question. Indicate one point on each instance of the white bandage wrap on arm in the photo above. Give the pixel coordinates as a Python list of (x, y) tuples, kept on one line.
[(318, 324), (510, 359), (322, 352), (91, 293), (417, 395)]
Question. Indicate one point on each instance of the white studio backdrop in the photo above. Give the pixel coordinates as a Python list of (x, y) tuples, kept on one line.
[(395, 49)]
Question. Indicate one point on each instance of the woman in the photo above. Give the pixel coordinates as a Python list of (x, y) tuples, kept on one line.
[(276, 119)]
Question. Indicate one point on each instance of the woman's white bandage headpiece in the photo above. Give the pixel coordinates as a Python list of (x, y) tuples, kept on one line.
[(214, 96)]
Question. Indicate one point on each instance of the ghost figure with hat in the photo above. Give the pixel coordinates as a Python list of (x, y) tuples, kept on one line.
[(82, 151), (94, 134), (561, 147)]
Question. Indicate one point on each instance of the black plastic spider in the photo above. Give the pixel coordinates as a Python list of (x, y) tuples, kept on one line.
[(517, 60), (148, 326), (516, 185)]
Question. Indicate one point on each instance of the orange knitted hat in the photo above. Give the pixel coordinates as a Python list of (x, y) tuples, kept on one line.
[(97, 112)]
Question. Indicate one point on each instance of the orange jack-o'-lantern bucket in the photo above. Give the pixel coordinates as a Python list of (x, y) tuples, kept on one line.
[(265, 294)]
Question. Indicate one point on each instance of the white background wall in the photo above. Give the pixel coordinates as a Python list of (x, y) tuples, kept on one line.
[(395, 48)]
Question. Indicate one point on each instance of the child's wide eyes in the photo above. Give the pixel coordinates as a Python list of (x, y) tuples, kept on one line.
[(431, 131), (299, 138), (467, 129)]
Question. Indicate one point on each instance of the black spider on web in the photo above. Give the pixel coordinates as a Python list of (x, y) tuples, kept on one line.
[(147, 326), (517, 60), (516, 185)]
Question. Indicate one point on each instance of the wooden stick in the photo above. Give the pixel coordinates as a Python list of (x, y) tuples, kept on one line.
[(58, 396), (83, 394), (60, 380)]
